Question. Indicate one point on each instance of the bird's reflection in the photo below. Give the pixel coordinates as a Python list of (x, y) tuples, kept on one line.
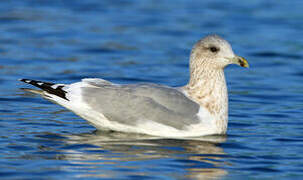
[(198, 157)]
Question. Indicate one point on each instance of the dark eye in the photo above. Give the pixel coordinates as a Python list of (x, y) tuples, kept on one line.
[(214, 49)]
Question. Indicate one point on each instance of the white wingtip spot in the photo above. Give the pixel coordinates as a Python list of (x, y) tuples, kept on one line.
[(55, 86), (27, 81), (40, 84)]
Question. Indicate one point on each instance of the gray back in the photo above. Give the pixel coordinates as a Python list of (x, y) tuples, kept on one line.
[(131, 104)]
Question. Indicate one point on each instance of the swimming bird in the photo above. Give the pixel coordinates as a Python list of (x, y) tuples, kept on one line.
[(199, 108)]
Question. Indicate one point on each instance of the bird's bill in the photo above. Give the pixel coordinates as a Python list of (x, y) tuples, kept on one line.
[(241, 61)]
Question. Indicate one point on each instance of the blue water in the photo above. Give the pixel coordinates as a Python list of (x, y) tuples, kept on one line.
[(149, 41)]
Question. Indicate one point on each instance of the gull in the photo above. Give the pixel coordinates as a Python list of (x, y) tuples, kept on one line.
[(197, 109)]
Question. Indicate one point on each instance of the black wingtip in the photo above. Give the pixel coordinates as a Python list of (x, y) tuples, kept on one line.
[(48, 87), (23, 80)]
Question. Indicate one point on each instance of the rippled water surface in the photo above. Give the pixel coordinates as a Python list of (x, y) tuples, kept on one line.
[(149, 41)]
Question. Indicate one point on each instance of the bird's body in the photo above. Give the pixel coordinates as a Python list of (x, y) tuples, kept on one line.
[(199, 108)]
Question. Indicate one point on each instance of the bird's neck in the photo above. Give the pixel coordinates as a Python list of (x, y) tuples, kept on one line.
[(208, 88)]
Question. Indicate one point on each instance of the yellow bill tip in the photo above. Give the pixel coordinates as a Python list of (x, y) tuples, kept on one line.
[(242, 62)]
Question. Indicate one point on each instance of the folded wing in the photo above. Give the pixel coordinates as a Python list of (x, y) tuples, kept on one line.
[(133, 104)]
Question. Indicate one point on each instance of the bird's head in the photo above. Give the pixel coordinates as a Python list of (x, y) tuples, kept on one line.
[(215, 52)]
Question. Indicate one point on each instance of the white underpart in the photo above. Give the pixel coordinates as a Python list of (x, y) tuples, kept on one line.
[(200, 129), (97, 119)]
